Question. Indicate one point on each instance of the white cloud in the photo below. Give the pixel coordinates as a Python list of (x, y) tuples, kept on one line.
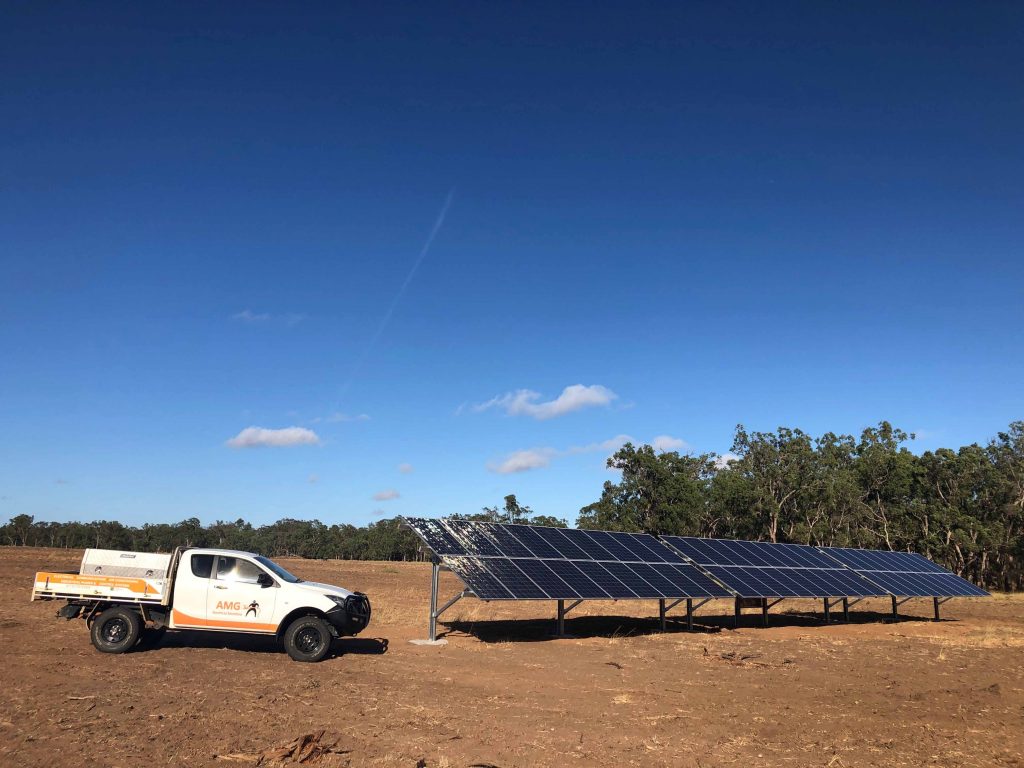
[(255, 318), (387, 495), (666, 443), (524, 402), (725, 460), (406, 469), (336, 417), (259, 437), (611, 444), (248, 316), (522, 461)]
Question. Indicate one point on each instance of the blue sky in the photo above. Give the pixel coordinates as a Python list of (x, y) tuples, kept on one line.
[(692, 215)]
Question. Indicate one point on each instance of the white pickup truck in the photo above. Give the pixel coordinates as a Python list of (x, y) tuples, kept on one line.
[(128, 598)]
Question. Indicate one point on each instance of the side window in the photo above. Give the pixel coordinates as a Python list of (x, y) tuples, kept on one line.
[(202, 565), (237, 570)]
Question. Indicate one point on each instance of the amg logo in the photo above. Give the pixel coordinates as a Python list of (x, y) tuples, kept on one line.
[(227, 605)]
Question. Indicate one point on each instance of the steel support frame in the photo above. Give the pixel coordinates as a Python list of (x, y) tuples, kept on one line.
[(563, 609), (664, 608), (435, 612), (844, 601)]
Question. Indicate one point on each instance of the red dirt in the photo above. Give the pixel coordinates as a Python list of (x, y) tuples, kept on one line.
[(501, 693)]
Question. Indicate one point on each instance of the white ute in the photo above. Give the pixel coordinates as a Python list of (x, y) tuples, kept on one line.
[(128, 598)]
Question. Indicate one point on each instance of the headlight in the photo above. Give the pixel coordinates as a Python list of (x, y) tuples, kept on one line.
[(338, 601)]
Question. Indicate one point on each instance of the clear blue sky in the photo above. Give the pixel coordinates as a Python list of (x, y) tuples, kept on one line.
[(797, 214)]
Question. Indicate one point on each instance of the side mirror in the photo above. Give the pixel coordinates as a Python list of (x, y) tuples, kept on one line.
[(264, 580)]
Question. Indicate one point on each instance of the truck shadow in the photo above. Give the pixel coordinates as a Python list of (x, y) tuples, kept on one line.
[(262, 643), (537, 630)]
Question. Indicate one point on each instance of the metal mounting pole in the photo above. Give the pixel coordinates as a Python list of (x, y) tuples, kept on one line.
[(828, 615), (895, 606), (846, 610), (560, 631), (435, 575), (661, 613), (736, 615), (689, 614), (764, 611), (937, 604)]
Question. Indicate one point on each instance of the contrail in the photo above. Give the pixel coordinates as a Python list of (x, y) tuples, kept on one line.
[(438, 223)]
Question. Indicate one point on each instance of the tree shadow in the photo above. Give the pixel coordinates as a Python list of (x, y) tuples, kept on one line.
[(259, 643)]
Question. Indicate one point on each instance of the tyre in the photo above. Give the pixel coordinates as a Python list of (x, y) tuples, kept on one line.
[(308, 639), (116, 630)]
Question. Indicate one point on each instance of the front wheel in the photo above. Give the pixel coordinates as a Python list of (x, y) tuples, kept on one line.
[(116, 630), (308, 639)]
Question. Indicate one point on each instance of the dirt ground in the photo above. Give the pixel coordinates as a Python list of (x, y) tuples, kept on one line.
[(502, 693)]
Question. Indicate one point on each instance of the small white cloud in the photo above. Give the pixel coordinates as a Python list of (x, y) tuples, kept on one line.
[(387, 495), (523, 461), (725, 460), (259, 437), (248, 316), (611, 444), (524, 402), (406, 469), (256, 318), (666, 443), (336, 418), (314, 479)]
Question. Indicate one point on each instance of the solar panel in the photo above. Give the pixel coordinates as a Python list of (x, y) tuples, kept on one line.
[(522, 562), (761, 569), (436, 536), (904, 574)]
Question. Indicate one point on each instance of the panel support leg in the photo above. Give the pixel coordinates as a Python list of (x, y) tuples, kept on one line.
[(563, 609), (937, 604), (689, 614), (764, 612), (828, 614), (846, 610), (736, 615), (435, 575), (661, 614), (895, 609)]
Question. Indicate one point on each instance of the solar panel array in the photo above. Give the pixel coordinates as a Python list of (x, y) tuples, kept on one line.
[(524, 562), (761, 569), (905, 574)]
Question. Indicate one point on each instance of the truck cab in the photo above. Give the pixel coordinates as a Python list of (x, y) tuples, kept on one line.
[(126, 596)]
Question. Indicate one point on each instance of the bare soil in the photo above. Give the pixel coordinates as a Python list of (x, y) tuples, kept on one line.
[(503, 693)]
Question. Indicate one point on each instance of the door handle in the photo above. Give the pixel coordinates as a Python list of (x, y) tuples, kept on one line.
[(218, 586)]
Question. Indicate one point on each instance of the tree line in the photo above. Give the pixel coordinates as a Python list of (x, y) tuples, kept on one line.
[(964, 509)]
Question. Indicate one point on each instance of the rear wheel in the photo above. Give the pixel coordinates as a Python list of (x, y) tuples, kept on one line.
[(308, 639), (116, 630)]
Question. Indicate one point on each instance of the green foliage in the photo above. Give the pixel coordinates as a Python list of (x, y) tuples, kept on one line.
[(964, 509), (514, 512)]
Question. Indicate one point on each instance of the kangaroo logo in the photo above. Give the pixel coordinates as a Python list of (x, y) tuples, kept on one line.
[(254, 609)]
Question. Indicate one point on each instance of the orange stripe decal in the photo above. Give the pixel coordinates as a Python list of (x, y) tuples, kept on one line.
[(183, 619)]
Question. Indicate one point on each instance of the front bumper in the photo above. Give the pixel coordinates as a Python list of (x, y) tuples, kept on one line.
[(351, 618)]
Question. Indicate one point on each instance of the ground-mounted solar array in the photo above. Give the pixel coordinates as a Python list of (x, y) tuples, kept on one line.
[(523, 562), (760, 569), (904, 574)]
